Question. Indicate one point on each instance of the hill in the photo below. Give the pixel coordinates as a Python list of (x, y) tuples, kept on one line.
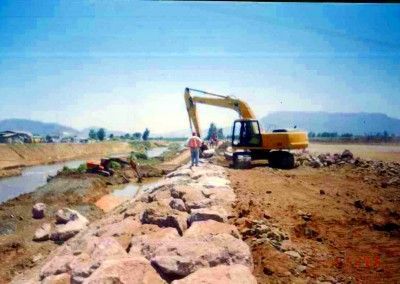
[(356, 123), (36, 127)]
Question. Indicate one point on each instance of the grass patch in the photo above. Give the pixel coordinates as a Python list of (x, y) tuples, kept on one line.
[(114, 165), (139, 156), (79, 170)]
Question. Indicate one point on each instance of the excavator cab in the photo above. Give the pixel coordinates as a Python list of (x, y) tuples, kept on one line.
[(246, 133)]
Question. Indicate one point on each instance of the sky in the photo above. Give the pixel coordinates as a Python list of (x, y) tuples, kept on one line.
[(124, 65)]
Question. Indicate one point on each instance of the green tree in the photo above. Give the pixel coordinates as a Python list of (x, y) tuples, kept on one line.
[(92, 134), (346, 135), (220, 133), (212, 130), (48, 139), (146, 134), (101, 134), (127, 136), (111, 136), (136, 135)]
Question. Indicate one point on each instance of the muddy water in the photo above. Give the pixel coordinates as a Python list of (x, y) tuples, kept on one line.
[(132, 189), (155, 152), (31, 178)]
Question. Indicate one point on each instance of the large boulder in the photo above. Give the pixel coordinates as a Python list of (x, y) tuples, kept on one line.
[(203, 214), (138, 208), (38, 210), (66, 231), (178, 204), (211, 227), (63, 278), (182, 256), (128, 270), (65, 215), (222, 274), (42, 233), (163, 216), (213, 181), (96, 252), (220, 195), (122, 230), (147, 244), (191, 195), (347, 155), (82, 256), (179, 173), (58, 263), (200, 172)]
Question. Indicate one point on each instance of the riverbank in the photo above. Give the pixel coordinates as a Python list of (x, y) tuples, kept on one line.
[(15, 156), (80, 192)]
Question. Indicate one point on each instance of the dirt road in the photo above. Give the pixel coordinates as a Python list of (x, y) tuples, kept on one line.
[(318, 224)]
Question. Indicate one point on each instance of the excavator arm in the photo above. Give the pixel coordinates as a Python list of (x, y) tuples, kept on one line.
[(241, 107)]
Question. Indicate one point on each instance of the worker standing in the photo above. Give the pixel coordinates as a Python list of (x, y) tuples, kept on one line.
[(194, 143)]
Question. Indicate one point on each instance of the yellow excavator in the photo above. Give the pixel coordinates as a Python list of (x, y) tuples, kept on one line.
[(247, 138)]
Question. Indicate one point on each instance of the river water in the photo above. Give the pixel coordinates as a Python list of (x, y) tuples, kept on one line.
[(31, 178), (35, 176)]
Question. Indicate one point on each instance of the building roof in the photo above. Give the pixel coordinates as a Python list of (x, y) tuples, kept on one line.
[(9, 133)]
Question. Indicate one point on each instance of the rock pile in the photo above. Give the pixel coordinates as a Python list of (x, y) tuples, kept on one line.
[(68, 223), (263, 232), (388, 171), (328, 159), (174, 232)]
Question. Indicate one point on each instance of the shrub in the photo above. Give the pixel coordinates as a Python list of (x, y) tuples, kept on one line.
[(115, 165), (81, 169), (139, 155)]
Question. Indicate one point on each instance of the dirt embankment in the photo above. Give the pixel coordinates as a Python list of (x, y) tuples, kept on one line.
[(22, 155), (328, 224)]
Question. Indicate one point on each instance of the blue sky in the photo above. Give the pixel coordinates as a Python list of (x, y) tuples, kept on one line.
[(124, 65)]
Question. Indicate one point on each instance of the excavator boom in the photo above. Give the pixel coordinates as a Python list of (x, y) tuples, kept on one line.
[(241, 107)]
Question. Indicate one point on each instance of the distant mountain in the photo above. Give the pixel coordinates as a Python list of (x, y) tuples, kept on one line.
[(36, 127), (356, 123)]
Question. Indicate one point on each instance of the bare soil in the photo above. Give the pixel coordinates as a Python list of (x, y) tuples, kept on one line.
[(383, 152), (344, 228)]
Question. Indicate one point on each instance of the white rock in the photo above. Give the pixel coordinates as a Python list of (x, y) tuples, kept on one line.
[(42, 233)]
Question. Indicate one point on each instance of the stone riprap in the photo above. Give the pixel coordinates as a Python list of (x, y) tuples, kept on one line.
[(175, 231)]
